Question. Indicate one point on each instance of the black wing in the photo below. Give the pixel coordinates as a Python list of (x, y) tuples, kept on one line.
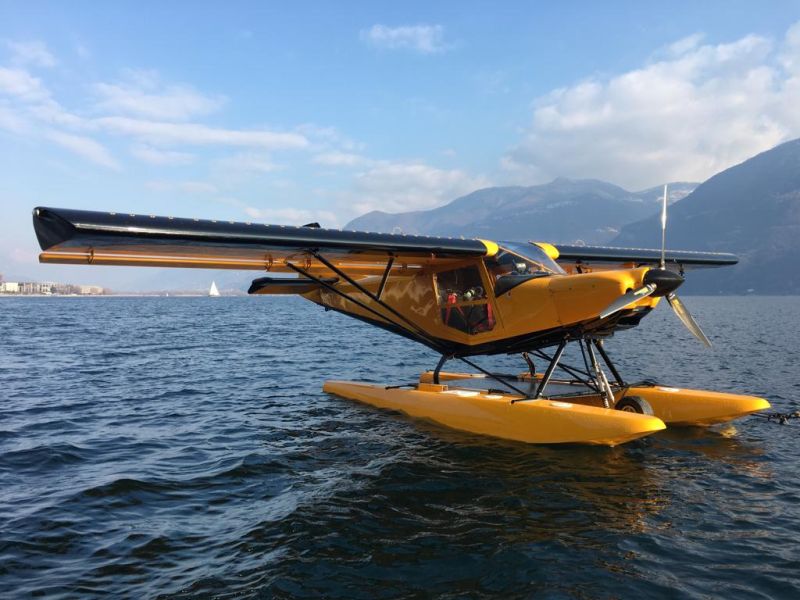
[(88, 237), (609, 257)]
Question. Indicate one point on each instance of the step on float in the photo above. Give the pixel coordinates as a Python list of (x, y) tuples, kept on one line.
[(576, 418)]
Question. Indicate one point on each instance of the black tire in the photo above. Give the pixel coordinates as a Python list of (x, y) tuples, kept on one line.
[(634, 404)]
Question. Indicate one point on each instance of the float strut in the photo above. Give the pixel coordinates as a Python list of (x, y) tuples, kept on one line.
[(438, 368), (531, 367), (550, 368), (599, 345)]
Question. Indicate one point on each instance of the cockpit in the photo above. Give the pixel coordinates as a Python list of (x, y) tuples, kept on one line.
[(516, 263), (464, 296)]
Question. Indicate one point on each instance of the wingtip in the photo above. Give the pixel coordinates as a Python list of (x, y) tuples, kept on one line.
[(51, 229)]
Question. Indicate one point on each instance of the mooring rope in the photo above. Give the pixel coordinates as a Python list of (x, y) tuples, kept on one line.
[(780, 418)]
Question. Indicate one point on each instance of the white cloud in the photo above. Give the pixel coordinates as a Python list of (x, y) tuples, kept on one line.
[(28, 108), (341, 159), (183, 187), (399, 187), (143, 94), (196, 134), (684, 45), (20, 84), (155, 156), (33, 52), (425, 39), (249, 163), (685, 116), (32, 97), (85, 147), (12, 121)]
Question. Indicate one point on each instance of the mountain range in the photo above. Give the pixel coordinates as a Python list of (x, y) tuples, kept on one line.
[(564, 210)]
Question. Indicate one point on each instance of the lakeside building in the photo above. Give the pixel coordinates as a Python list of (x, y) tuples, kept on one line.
[(33, 288)]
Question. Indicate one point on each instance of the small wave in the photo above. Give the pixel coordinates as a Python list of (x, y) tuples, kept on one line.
[(43, 458)]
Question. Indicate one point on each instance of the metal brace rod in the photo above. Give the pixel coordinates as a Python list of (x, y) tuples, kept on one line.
[(439, 366), (607, 392), (531, 367), (591, 380), (599, 345), (385, 276), (550, 368)]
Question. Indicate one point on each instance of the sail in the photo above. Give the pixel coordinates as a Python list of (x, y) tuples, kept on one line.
[(213, 291)]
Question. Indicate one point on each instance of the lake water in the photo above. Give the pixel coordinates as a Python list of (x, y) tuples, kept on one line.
[(182, 447)]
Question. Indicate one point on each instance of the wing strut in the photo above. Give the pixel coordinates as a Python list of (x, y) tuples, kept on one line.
[(331, 288), (414, 329), (419, 331)]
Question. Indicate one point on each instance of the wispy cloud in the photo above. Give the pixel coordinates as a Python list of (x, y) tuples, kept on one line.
[(156, 156), (32, 52), (85, 147), (183, 187), (143, 94), (403, 186), (248, 163), (12, 121), (341, 159), (196, 134), (21, 84), (687, 115), (31, 108), (425, 39)]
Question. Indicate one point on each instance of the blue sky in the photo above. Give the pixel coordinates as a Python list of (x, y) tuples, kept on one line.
[(323, 111)]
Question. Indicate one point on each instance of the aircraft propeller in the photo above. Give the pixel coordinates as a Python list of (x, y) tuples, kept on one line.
[(660, 282)]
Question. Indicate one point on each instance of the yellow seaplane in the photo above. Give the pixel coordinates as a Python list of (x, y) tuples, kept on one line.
[(461, 298)]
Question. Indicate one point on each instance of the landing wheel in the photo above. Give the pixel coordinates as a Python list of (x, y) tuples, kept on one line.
[(634, 404)]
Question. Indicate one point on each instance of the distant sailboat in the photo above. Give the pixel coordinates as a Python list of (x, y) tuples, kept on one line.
[(213, 291)]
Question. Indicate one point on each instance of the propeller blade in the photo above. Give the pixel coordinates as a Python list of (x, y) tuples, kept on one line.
[(686, 318), (627, 299), (664, 230)]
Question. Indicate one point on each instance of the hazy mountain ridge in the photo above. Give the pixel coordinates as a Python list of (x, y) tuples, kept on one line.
[(564, 210), (751, 209)]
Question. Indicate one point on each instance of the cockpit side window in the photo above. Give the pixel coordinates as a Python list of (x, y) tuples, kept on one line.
[(463, 302), (465, 283)]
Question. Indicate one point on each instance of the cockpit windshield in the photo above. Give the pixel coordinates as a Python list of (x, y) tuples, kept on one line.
[(535, 259), (516, 263)]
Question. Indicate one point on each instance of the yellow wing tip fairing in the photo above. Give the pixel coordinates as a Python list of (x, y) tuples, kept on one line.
[(549, 249), (491, 247)]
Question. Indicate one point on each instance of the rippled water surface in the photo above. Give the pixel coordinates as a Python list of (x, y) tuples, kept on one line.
[(182, 447)]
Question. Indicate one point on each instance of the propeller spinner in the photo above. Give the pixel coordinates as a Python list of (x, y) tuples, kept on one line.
[(660, 282)]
